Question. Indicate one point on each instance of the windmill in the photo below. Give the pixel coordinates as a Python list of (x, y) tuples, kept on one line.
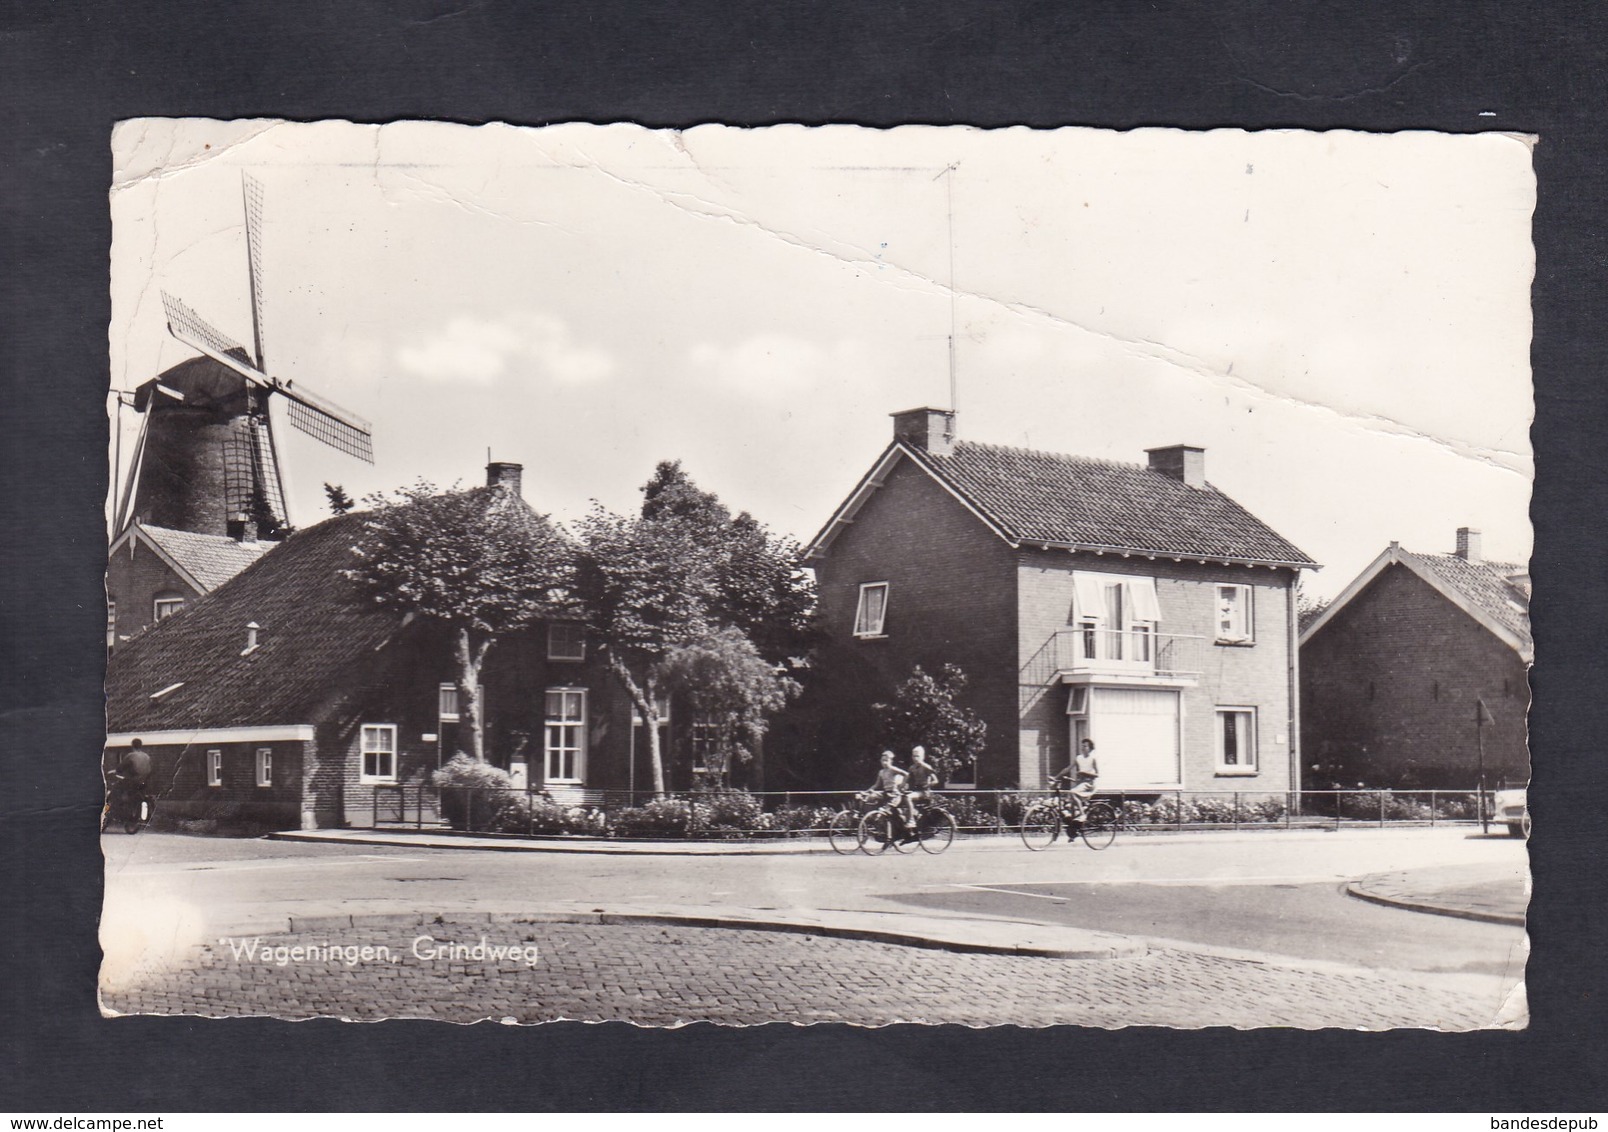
[(205, 460)]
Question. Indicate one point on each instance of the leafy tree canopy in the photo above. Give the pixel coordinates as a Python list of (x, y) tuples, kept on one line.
[(731, 686), (923, 711)]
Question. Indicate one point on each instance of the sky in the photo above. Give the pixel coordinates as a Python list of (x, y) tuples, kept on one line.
[(1340, 319)]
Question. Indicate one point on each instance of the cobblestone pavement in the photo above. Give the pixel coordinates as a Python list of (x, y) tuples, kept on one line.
[(663, 975)]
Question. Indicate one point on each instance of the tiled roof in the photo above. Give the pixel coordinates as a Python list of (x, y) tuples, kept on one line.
[(210, 559), (1071, 500), (1483, 584), (312, 634)]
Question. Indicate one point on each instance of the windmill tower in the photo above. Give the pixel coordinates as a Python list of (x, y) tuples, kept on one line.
[(206, 461)]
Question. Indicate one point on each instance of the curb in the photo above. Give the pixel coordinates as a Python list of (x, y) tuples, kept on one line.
[(1101, 946), (523, 845), (1356, 889)]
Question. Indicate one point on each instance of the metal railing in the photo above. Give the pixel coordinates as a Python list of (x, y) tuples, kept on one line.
[(1133, 651), (737, 814)]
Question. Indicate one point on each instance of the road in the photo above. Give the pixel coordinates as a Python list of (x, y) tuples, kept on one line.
[(1274, 896)]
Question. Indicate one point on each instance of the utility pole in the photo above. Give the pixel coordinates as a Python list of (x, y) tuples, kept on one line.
[(1482, 716)]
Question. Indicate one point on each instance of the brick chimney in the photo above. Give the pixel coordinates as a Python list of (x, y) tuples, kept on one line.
[(1468, 544), (1183, 462), (507, 476), (932, 430)]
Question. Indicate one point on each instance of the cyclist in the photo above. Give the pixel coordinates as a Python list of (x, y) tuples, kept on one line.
[(890, 782), (1084, 773), (918, 784)]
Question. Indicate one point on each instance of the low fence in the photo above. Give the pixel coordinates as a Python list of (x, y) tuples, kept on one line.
[(717, 814)]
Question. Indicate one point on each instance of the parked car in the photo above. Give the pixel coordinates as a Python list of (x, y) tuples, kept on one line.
[(1513, 809)]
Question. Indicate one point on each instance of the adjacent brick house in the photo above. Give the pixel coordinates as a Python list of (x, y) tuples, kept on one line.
[(279, 698), (1420, 661), (153, 572), (1137, 605)]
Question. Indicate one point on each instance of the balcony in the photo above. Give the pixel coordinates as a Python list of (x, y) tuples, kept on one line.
[(1125, 652)]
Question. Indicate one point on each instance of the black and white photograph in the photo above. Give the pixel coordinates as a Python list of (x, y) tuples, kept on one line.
[(989, 577)]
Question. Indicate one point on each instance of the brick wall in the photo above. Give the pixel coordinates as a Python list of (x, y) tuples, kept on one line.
[(179, 781), (951, 598), (1389, 687), (1254, 675)]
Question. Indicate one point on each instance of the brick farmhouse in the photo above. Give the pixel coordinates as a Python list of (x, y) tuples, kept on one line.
[(1134, 604), (281, 698), (1418, 664)]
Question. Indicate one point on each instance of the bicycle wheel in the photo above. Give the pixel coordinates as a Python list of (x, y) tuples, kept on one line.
[(935, 830), (1041, 825), (1099, 825), (843, 831)]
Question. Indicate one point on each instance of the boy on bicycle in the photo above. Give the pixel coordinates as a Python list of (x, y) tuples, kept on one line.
[(918, 784), (890, 781)]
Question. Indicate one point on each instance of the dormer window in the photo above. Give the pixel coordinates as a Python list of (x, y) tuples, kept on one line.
[(872, 610)]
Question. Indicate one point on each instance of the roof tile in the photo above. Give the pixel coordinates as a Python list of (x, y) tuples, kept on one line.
[(1048, 497), (211, 559)]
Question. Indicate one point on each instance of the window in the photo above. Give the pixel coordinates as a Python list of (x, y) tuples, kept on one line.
[(566, 641), (166, 605), (265, 766), (872, 610), (215, 767), (111, 623), (447, 703), (1236, 740), (564, 743), (707, 733), (1235, 624), (1115, 616), (379, 753)]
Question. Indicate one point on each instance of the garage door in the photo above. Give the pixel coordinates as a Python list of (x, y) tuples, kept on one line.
[(1135, 733)]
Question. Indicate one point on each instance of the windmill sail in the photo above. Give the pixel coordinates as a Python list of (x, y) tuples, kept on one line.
[(335, 427), (252, 188)]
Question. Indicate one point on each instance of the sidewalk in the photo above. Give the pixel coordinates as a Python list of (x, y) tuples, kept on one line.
[(442, 839), (1494, 893)]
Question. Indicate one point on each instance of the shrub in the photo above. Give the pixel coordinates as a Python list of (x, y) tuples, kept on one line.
[(796, 819), (972, 812), (534, 814), (473, 794), (729, 812), (662, 817)]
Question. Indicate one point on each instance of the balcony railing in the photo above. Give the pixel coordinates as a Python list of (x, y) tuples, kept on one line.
[(1130, 652)]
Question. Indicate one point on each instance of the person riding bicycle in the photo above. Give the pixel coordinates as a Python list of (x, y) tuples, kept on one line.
[(1084, 773), (890, 782), (919, 782), (126, 784)]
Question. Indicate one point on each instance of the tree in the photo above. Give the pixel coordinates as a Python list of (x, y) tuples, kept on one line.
[(339, 502), (731, 688), (480, 563), (759, 587), (646, 586), (923, 711)]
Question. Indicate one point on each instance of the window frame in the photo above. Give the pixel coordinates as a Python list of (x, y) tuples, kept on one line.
[(173, 603), (215, 766), (363, 752), (1247, 613), (265, 766), (578, 722), (1243, 768), (579, 656), (863, 630)]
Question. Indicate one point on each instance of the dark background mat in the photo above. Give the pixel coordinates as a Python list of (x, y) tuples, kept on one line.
[(69, 71)]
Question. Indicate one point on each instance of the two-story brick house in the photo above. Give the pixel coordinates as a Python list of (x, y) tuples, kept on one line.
[(1418, 672), (281, 698), (1133, 604)]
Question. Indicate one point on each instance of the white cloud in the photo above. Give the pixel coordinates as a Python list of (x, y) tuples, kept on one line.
[(477, 349), (773, 367)]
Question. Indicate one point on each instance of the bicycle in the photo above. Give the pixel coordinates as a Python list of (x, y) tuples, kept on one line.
[(1095, 822), (843, 831), (886, 827), (127, 804)]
